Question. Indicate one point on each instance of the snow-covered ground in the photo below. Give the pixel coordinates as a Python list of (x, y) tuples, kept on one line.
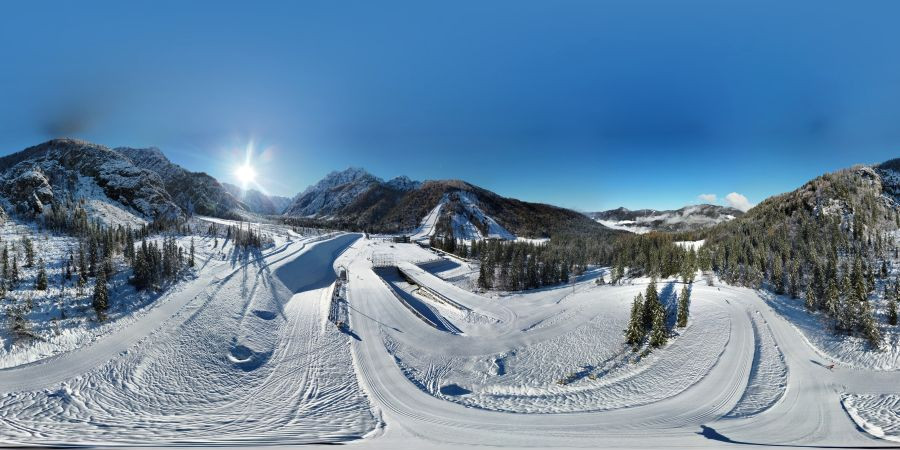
[(234, 357), (244, 354), (879, 415), (850, 351), (691, 245)]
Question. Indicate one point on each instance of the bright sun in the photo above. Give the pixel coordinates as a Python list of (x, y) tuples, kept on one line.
[(245, 173)]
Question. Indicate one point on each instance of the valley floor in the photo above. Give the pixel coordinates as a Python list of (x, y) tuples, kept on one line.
[(245, 354)]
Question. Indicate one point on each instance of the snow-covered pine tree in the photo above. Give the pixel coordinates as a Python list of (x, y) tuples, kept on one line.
[(868, 325), (832, 298), (92, 257), (651, 303), (684, 304), (40, 282), (891, 296), (101, 296), (28, 246), (82, 263), (777, 274), (108, 269), (846, 316), (129, 245), (14, 273), (5, 261), (794, 278), (811, 299), (485, 277), (634, 335), (191, 257), (660, 334)]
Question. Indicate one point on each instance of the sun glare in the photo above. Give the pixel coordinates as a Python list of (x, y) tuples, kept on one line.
[(245, 174)]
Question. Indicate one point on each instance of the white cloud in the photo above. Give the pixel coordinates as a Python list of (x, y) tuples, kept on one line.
[(707, 198), (738, 201)]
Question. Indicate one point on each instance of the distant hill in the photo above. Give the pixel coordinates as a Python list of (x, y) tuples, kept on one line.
[(689, 218)]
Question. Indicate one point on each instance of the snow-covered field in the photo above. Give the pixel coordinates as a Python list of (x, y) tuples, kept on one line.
[(243, 353)]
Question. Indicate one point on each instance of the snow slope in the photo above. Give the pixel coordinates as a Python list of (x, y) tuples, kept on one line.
[(245, 355), (465, 229), (426, 228), (233, 358)]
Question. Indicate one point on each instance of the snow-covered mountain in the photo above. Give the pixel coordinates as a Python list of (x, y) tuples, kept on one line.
[(128, 186), (332, 193), (689, 218), (258, 202), (194, 192), (357, 199), (110, 187)]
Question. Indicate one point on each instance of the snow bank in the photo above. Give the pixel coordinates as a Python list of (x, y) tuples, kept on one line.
[(878, 415)]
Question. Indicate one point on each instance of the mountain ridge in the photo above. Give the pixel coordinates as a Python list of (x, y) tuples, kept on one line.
[(357, 199), (687, 218)]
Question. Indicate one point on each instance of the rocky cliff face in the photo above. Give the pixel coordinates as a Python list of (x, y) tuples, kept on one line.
[(68, 169)]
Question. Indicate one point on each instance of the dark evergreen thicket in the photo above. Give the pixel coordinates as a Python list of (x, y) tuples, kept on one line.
[(827, 242), (525, 265)]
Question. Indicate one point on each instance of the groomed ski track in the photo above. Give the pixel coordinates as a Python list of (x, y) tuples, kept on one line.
[(244, 355)]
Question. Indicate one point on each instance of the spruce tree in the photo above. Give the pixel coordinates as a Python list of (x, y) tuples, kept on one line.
[(129, 246), (108, 268), (634, 335), (811, 299), (660, 334), (794, 276), (684, 304), (40, 283), (847, 313), (92, 257), (101, 296), (651, 303), (485, 278), (14, 273), (82, 264), (777, 274), (892, 306), (832, 298), (28, 245), (6, 261), (868, 324)]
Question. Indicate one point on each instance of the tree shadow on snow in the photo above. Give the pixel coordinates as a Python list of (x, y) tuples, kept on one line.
[(350, 333), (711, 434), (670, 301)]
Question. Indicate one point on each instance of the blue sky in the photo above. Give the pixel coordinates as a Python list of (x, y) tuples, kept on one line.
[(589, 105)]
